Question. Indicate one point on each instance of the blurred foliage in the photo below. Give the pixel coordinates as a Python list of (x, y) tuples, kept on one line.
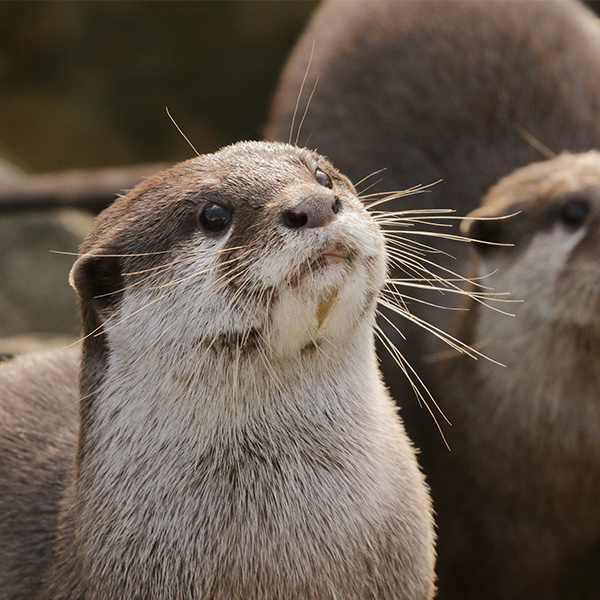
[(86, 83)]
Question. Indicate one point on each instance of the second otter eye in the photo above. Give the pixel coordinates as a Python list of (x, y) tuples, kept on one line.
[(323, 179), (214, 218), (574, 212)]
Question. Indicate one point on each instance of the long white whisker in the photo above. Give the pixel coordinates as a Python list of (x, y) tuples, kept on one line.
[(360, 194), (409, 373), (306, 111), (312, 51)]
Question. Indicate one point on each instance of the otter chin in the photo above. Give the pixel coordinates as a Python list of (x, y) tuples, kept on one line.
[(232, 438)]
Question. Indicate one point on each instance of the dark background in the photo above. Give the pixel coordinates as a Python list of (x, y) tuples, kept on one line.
[(86, 83)]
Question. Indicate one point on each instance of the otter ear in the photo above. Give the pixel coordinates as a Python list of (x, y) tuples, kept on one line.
[(484, 227), (97, 279)]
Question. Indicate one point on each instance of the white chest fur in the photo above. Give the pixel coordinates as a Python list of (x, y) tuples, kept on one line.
[(222, 477)]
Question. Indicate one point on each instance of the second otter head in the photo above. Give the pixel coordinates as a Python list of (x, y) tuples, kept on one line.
[(255, 242), (548, 253)]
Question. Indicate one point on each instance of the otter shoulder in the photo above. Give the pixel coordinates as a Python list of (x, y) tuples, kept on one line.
[(38, 432)]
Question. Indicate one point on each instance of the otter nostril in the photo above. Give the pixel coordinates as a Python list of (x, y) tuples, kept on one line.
[(314, 211), (294, 220)]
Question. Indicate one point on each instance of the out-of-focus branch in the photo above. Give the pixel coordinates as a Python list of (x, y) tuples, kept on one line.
[(89, 189)]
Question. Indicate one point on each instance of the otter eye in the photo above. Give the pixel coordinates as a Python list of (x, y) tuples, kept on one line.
[(323, 179), (574, 212), (214, 218)]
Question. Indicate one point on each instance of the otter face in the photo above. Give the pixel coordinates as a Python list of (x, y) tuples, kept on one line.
[(552, 260), (257, 242)]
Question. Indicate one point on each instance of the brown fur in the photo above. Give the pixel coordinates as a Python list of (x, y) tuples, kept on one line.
[(457, 91), (517, 498), (236, 440), (38, 425)]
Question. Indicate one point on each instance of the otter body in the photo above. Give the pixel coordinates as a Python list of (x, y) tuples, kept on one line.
[(235, 439), (38, 435), (518, 496)]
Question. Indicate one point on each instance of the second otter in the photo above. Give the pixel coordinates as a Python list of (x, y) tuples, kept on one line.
[(517, 498)]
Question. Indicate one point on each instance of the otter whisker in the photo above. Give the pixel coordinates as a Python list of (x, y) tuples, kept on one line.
[(376, 182), (414, 246), (435, 215), (395, 296), (440, 213), (445, 337), (111, 255), (181, 132), (181, 260), (386, 193), (312, 51), (417, 189), (402, 223), (411, 279), (448, 236), (409, 373), (306, 111), (361, 194), (409, 368)]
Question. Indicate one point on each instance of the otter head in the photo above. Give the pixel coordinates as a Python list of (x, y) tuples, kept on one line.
[(257, 244), (547, 253)]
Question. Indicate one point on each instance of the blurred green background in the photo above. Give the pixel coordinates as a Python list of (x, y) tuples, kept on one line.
[(86, 83)]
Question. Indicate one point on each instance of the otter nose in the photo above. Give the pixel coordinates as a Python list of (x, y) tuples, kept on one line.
[(314, 211)]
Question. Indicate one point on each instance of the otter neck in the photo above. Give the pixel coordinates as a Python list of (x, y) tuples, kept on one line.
[(531, 348), (228, 437), (553, 369)]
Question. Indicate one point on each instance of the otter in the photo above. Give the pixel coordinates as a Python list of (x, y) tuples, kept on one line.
[(517, 498), (233, 437), (455, 92)]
